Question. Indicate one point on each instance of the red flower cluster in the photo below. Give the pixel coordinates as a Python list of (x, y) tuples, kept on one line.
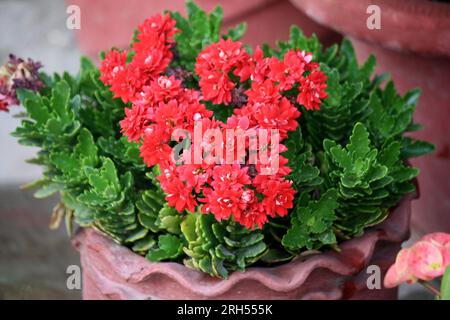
[(295, 71), (163, 112), (214, 65), (152, 55)]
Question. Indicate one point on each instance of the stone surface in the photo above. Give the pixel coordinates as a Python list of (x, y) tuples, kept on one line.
[(33, 259)]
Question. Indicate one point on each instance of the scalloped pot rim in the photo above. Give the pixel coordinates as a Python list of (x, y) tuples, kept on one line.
[(111, 271)]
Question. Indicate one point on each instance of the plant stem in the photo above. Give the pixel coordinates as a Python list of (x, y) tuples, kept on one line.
[(430, 288)]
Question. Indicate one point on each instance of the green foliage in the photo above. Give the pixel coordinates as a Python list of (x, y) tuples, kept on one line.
[(219, 247), (169, 247), (369, 182), (445, 285), (74, 122), (311, 225), (155, 215), (370, 173), (305, 174)]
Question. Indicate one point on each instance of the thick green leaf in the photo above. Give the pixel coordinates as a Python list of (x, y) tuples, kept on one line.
[(445, 285)]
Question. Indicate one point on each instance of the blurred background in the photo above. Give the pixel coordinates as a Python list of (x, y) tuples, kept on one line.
[(412, 43)]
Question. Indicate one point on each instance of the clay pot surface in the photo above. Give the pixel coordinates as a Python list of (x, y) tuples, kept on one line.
[(413, 45), (417, 26), (108, 23), (111, 271)]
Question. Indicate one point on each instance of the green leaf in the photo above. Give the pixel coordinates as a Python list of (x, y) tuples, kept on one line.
[(188, 228), (169, 247), (24, 94), (416, 148), (276, 256), (334, 88), (359, 141), (368, 67), (236, 32), (60, 100), (35, 107), (312, 222), (445, 285), (48, 190), (215, 21), (389, 155), (86, 148)]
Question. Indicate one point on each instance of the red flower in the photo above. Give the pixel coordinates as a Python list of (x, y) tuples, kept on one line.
[(154, 148), (223, 203), (158, 25), (281, 116), (312, 90), (153, 61), (194, 175), (179, 196), (192, 110), (264, 92), (249, 193), (127, 83), (213, 65), (167, 115), (229, 176), (288, 71), (135, 122), (252, 216), (216, 87), (279, 195), (162, 89), (152, 56), (113, 64), (307, 59)]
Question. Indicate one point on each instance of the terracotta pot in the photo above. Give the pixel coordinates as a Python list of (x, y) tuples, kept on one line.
[(413, 44), (111, 271), (107, 23)]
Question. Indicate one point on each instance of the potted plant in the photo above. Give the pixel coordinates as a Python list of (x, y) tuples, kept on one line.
[(199, 168), (413, 43)]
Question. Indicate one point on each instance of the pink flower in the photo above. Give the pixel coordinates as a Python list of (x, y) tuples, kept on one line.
[(442, 241), (425, 260), (399, 272)]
